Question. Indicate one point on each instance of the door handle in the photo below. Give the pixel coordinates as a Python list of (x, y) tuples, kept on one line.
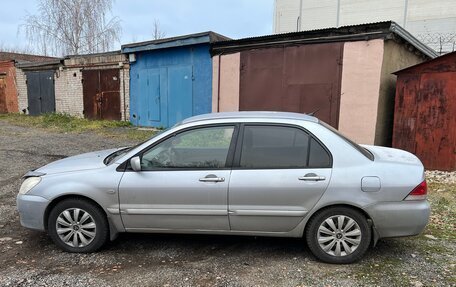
[(312, 177), (212, 178)]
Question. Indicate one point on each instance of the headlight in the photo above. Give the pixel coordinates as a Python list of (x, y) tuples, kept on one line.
[(28, 184)]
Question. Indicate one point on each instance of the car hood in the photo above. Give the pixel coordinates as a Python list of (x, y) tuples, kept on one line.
[(79, 162), (386, 154)]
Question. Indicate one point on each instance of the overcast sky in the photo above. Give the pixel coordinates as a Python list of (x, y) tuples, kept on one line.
[(232, 18)]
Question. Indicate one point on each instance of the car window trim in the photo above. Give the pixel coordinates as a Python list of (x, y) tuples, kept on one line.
[(125, 166), (238, 149), (362, 150)]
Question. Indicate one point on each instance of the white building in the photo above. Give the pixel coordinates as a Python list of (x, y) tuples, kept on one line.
[(431, 21)]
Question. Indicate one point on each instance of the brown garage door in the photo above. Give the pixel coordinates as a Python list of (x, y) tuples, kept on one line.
[(301, 79), (3, 107), (101, 89)]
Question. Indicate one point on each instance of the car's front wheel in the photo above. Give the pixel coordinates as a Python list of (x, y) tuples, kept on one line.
[(77, 225), (338, 235)]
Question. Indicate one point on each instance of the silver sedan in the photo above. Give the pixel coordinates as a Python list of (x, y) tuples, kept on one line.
[(243, 173)]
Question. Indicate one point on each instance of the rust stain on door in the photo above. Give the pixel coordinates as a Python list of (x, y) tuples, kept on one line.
[(425, 118), (101, 90), (304, 79), (436, 131), (405, 116)]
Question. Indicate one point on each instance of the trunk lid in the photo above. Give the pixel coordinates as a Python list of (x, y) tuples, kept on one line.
[(386, 154)]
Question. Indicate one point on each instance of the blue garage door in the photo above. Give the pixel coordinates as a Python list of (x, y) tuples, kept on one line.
[(165, 96), (180, 94)]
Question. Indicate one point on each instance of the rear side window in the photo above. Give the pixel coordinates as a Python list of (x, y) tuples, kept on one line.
[(362, 150), (319, 157), (281, 147)]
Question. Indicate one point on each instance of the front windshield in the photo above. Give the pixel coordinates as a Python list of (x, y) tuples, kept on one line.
[(359, 148), (121, 152)]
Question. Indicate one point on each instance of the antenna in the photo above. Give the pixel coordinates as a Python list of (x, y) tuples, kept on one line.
[(314, 112)]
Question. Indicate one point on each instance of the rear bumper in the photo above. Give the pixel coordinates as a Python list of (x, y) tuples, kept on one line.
[(396, 219), (31, 210)]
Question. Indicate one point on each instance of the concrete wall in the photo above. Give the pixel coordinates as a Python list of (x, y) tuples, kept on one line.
[(361, 72), (226, 97), (395, 57), (286, 13), (432, 22), (368, 89)]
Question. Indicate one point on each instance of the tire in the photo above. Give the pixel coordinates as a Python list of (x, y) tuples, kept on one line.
[(78, 218), (331, 236)]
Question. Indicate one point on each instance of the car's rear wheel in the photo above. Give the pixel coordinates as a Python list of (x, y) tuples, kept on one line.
[(77, 225), (338, 235)]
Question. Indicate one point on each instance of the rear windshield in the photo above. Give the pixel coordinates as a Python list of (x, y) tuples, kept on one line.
[(362, 150)]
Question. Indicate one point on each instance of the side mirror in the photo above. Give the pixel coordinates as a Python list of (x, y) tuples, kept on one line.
[(135, 163)]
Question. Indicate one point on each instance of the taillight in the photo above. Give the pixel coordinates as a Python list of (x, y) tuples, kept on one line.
[(418, 193)]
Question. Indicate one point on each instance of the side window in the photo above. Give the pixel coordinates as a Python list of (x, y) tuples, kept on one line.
[(281, 147), (199, 148), (319, 157), (274, 147)]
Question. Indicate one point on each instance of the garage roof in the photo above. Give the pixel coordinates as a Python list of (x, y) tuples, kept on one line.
[(380, 30)]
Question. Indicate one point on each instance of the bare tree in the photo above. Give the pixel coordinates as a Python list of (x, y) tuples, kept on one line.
[(72, 27), (157, 32)]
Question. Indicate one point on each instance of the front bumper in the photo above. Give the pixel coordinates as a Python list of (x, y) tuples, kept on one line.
[(31, 210), (396, 219)]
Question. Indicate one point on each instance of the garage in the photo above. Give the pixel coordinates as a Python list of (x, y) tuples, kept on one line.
[(170, 79), (101, 90), (40, 92)]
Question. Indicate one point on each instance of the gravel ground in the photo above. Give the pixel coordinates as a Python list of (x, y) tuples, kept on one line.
[(29, 258), (441, 177)]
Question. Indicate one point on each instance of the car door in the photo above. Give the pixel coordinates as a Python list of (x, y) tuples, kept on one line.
[(279, 173), (183, 182)]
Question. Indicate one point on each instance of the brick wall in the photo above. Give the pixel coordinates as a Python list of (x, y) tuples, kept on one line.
[(21, 85), (68, 92), (125, 98)]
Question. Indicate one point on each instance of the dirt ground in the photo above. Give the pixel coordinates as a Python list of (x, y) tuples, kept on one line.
[(29, 258)]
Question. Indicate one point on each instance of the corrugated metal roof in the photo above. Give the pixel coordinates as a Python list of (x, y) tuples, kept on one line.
[(51, 64), (18, 57), (117, 52), (385, 30), (191, 39)]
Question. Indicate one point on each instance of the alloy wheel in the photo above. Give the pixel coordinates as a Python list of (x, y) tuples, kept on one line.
[(339, 235), (76, 227)]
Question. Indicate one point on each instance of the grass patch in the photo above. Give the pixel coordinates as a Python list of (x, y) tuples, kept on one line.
[(389, 267), (66, 123), (442, 223)]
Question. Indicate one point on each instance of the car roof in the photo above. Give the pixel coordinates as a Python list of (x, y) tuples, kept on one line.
[(251, 115)]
